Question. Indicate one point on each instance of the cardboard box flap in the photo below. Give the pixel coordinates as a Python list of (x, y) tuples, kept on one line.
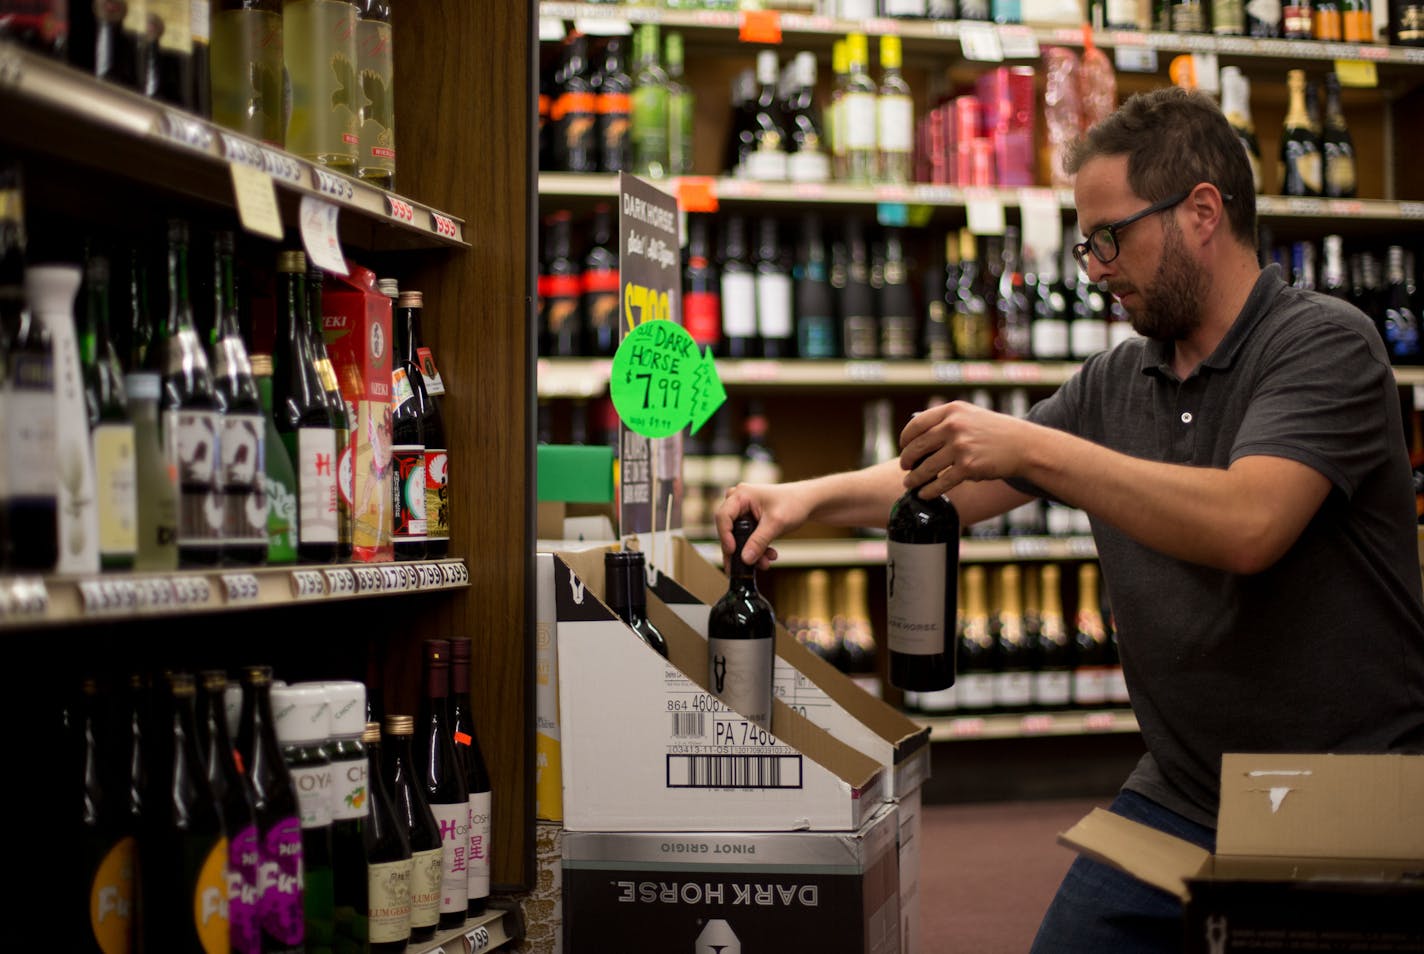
[(1322, 806), (1159, 859)]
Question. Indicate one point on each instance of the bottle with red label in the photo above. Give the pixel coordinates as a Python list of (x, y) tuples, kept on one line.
[(437, 450), (600, 286), (408, 416), (440, 772), (472, 765), (560, 289), (701, 287)]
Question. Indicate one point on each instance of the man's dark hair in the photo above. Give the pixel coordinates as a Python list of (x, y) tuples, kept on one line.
[(1175, 138)]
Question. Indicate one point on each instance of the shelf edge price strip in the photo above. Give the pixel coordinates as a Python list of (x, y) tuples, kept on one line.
[(368, 579), (240, 587), (340, 581), (477, 940), (308, 584)]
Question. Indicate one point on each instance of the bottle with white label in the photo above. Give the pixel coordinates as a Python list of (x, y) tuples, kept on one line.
[(302, 719), (399, 771), (477, 780), (858, 117), (390, 869), (773, 294), (1053, 659), (741, 638), (739, 292), (438, 770), (921, 570), (895, 117)]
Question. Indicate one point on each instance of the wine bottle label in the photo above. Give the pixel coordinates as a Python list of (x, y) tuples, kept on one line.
[(1090, 685), (1013, 690), (740, 673), (430, 374), (210, 900), (1049, 338), (111, 897), (279, 883), (976, 691), (858, 111), (1088, 336), (1340, 175), (702, 316), (773, 308), (30, 427), (199, 20), (1307, 169), (401, 389), (244, 861), (349, 799), (807, 165), (437, 493), (314, 785), (895, 124), (454, 822), (388, 900), (479, 876), (1295, 20), (319, 37), (377, 116), (756, 471), (1052, 688), (192, 437), (117, 484), (408, 491), (938, 701), (739, 304), (427, 873), (916, 600), (1122, 14), (316, 484), (244, 469), (1117, 686), (1265, 11)]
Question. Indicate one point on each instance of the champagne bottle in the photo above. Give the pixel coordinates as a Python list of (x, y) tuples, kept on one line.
[(775, 329), (650, 106), (422, 831), (1333, 280), (1013, 680), (280, 906), (1236, 104), (341, 415), (1301, 162), (739, 291), (279, 479), (1400, 324), (389, 865), (921, 570), (613, 106), (302, 720), (857, 639), (349, 798), (303, 418), (741, 638), (233, 796), (970, 324), (376, 116), (976, 659), (247, 68), (472, 766), (897, 306), (183, 854), (1053, 657), (111, 432), (895, 117), (319, 52), (102, 896), (1336, 146), (408, 400), (242, 442), (600, 287), (438, 770), (1090, 643), (420, 365), (625, 590)]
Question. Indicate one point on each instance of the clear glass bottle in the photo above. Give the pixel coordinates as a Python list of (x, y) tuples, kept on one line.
[(858, 117), (767, 157), (376, 158), (895, 117), (319, 52), (247, 68), (810, 159)]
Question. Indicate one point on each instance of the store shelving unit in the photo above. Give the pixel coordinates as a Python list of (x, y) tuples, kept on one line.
[(798, 552), (489, 931), (962, 728)]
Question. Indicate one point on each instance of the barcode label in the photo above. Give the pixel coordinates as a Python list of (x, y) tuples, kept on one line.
[(734, 771), (688, 724)]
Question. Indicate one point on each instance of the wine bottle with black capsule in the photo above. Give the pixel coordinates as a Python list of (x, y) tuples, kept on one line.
[(407, 440), (477, 781), (1053, 658), (922, 569), (399, 770), (350, 809), (170, 21), (625, 591), (233, 795), (440, 773), (437, 450), (389, 866), (280, 909), (103, 893), (739, 291), (741, 638), (302, 719)]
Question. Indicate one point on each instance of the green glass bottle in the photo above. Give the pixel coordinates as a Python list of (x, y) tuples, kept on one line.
[(247, 68), (376, 162), (650, 106), (319, 50), (681, 107), (279, 483)]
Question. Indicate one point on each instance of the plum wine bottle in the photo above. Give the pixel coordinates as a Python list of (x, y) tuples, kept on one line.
[(921, 574), (389, 865), (741, 638), (438, 769), (234, 800), (422, 831), (477, 782)]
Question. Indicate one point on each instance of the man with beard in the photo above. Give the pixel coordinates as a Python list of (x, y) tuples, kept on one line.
[(1245, 472)]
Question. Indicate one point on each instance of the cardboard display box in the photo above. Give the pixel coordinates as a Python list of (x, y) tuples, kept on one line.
[(1313, 853), (647, 747), (654, 892)]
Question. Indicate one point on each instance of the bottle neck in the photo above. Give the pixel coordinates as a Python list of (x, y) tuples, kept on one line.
[(459, 680), (179, 309), (226, 299), (409, 321), (1296, 115), (294, 311)]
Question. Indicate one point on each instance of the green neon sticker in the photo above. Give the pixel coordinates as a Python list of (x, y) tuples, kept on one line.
[(660, 383)]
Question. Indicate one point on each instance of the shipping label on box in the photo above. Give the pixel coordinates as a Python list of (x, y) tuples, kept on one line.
[(654, 892), (646, 745)]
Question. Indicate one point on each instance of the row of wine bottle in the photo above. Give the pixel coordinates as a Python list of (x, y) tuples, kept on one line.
[(313, 76), (134, 443), (274, 818)]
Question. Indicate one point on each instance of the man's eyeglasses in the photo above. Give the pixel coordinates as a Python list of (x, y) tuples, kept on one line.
[(1102, 241)]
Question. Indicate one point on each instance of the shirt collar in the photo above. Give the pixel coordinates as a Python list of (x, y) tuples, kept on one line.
[(1157, 356)]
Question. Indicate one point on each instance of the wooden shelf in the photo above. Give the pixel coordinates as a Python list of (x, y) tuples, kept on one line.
[(101, 126), (962, 728), (486, 932), (868, 552), (30, 601)]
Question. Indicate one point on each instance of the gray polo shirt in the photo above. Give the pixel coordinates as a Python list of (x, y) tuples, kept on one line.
[(1322, 652)]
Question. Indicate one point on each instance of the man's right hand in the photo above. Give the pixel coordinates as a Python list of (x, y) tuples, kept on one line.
[(777, 509)]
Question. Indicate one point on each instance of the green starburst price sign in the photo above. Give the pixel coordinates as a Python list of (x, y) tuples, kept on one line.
[(660, 383)]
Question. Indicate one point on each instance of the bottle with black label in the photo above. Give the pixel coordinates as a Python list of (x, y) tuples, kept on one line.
[(936, 341), (898, 340), (625, 591), (342, 416), (302, 720), (440, 774), (477, 781), (390, 868), (860, 335), (1301, 166), (600, 287), (234, 800), (422, 831), (921, 571), (408, 404), (741, 638), (815, 311)]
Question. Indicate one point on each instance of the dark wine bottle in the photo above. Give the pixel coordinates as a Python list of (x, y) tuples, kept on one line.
[(233, 796), (477, 781), (625, 590), (350, 810), (741, 638), (439, 772), (408, 419), (701, 287), (1399, 318), (561, 319), (739, 291), (432, 426), (600, 287), (183, 853), (1336, 145), (970, 323), (279, 825), (773, 294), (103, 893), (342, 416), (171, 23), (242, 443), (613, 102), (897, 305), (418, 822), (575, 112), (122, 46), (860, 334), (303, 417), (1300, 165), (389, 865), (921, 573), (303, 724), (815, 311)]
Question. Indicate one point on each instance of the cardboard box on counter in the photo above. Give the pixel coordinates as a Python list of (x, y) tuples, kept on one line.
[(1313, 853), (653, 892), (647, 747)]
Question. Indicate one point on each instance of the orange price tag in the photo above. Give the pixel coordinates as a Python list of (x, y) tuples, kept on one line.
[(760, 26), (697, 194)]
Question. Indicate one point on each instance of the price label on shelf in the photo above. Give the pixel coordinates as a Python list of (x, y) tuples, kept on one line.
[(1135, 59), (1018, 43), (23, 596), (240, 587), (330, 184), (443, 225), (237, 149), (760, 26), (10, 65), (984, 210), (340, 582), (1361, 74), (980, 41), (156, 593), (279, 165), (256, 200), (191, 591), (318, 223), (400, 210), (368, 579), (477, 940), (186, 131), (697, 194), (308, 584), (391, 578)]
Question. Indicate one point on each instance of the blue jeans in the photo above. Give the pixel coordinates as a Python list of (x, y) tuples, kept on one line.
[(1100, 910)]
